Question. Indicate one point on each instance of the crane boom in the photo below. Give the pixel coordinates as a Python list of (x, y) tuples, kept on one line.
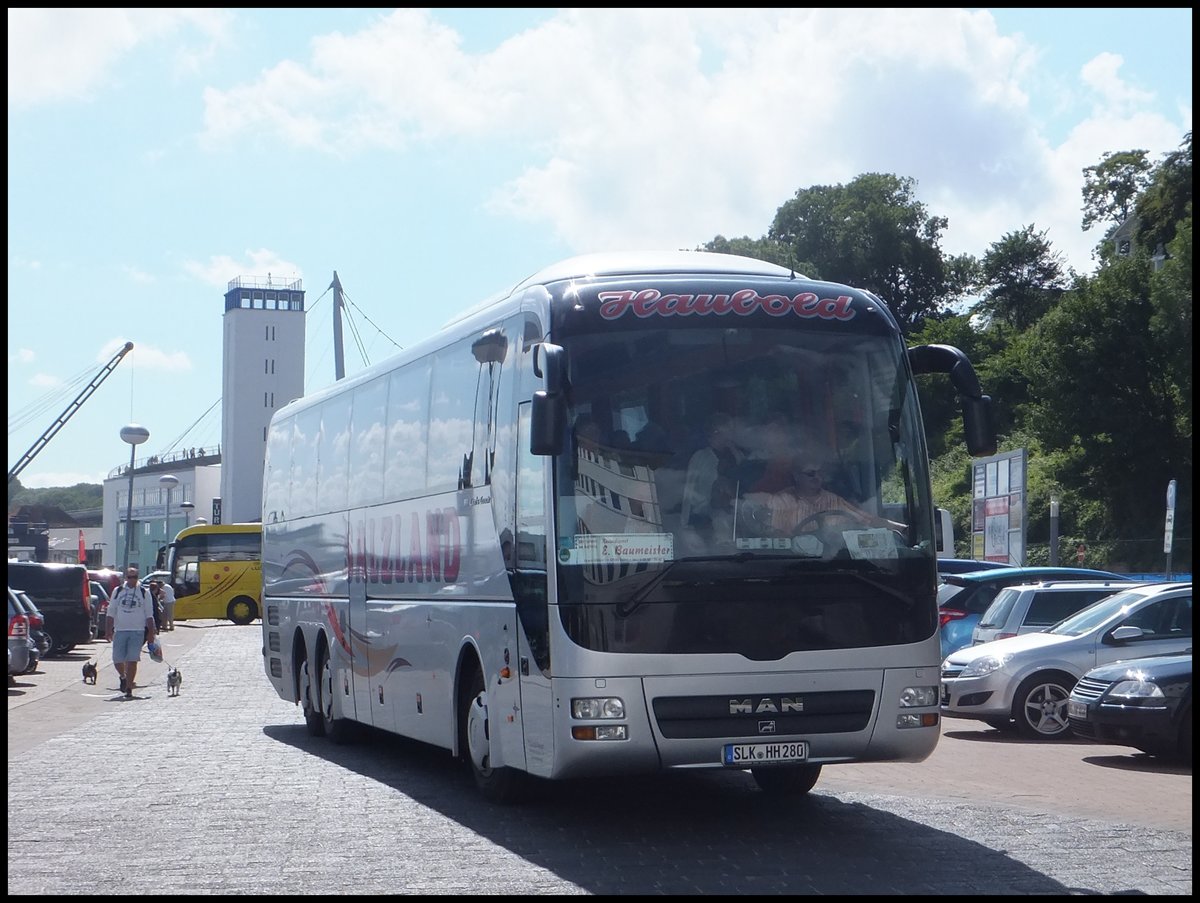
[(69, 412)]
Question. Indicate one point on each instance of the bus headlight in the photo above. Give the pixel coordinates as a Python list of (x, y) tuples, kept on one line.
[(918, 696), (589, 709)]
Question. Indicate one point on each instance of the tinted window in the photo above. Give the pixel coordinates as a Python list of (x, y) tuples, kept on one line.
[(1049, 608), (1000, 608), (407, 431), (366, 446)]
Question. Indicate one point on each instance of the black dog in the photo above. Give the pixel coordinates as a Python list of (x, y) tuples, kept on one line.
[(89, 672), (174, 681)]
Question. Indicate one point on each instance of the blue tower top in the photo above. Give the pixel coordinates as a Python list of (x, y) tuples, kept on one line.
[(255, 293)]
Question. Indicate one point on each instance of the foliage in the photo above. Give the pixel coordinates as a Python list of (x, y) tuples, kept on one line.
[(1167, 201), (79, 497), (873, 233), (1112, 185), (1023, 277)]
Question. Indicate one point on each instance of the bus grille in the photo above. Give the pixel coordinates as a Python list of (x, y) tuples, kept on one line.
[(697, 717)]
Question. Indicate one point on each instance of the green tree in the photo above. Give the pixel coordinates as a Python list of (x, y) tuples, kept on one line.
[(1167, 201), (1103, 394), (873, 233), (1023, 276), (1111, 187)]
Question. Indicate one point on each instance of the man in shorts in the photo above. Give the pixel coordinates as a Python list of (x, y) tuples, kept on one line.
[(130, 623)]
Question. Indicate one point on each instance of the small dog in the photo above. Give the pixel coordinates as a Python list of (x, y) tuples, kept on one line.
[(174, 681), (89, 672)]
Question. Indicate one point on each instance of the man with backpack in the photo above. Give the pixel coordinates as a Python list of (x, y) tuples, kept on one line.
[(130, 623)]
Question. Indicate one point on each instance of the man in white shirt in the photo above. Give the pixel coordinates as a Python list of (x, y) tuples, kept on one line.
[(168, 605), (130, 623)]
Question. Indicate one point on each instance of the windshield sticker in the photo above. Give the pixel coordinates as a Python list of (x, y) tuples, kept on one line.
[(879, 542), (650, 302), (618, 548)]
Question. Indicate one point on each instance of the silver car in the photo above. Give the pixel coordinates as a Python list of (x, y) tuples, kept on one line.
[(1026, 679), (1036, 607)]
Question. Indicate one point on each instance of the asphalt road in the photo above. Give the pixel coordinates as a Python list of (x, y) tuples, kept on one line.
[(221, 790)]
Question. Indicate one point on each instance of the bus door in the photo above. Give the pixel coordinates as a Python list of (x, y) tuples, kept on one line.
[(526, 562), (356, 628)]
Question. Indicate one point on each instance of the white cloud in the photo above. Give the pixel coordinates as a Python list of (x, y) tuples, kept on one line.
[(85, 46), (52, 480), (21, 356), (220, 270), (45, 381), (146, 357)]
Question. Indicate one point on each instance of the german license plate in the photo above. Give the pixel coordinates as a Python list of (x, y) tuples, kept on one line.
[(1077, 710), (743, 755)]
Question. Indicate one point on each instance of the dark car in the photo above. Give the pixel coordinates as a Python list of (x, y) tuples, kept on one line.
[(37, 623), (963, 598), (21, 648), (62, 593), (1145, 703), (100, 597)]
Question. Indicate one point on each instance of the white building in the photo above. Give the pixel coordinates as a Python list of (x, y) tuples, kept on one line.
[(262, 370)]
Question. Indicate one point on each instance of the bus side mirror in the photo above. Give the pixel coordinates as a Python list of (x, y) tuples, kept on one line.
[(978, 429), (548, 419)]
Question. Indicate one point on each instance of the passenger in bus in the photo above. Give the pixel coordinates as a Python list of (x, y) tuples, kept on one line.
[(721, 457)]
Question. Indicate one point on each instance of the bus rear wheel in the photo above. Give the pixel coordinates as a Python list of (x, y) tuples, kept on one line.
[(786, 780), (308, 705), (242, 610), (339, 730), (500, 785)]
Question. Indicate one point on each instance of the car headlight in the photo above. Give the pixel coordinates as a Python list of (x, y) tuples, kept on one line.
[(985, 664), (1137, 689)]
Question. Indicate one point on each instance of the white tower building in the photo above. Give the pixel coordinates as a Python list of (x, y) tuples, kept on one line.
[(263, 370)]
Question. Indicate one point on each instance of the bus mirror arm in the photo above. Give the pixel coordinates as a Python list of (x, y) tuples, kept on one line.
[(978, 429)]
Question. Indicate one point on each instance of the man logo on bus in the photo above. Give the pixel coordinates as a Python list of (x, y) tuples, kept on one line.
[(776, 705)]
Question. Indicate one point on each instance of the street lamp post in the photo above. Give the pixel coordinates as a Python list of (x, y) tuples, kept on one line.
[(1054, 531), (135, 435), (170, 481), (187, 513)]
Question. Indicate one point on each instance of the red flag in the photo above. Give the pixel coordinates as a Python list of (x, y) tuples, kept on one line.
[(82, 550)]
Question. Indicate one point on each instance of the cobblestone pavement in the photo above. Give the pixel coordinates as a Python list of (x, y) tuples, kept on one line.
[(221, 791)]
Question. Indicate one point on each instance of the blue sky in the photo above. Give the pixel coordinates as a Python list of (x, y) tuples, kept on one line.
[(435, 156)]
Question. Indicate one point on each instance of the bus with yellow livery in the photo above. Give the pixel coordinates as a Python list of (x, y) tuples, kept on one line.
[(216, 570)]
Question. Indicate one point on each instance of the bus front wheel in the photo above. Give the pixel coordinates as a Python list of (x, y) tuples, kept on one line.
[(242, 610), (500, 785)]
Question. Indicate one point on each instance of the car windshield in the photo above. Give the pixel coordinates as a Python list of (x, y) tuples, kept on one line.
[(1098, 614)]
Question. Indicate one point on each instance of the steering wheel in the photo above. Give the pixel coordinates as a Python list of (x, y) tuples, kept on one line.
[(819, 522)]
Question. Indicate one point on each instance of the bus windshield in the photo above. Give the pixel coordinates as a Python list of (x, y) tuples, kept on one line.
[(719, 479), (216, 571)]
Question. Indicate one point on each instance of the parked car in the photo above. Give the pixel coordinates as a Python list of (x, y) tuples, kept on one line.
[(1145, 703), (20, 646), (61, 592), (1030, 607), (99, 599), (37, 623), (965, 566), (1026, 679), (963, 598)]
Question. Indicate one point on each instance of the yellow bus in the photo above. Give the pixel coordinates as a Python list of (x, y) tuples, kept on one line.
[(216, 570)]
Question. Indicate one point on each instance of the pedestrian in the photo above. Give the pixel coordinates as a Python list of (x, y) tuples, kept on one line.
[(167, 595), (130, 623), (157, 603)]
